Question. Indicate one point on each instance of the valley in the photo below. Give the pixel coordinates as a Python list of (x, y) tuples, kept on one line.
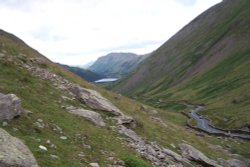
[(186, 104)]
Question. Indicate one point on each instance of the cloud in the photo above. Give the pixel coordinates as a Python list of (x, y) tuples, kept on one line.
[(187, 2), (76, 31)]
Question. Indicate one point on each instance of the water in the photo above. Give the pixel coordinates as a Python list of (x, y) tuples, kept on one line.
[(106, 80), (204, 124)]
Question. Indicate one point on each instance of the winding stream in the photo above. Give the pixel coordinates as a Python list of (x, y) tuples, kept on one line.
[(203, 124)]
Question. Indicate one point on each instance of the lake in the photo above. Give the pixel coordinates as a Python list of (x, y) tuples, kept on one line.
[(106, 80)]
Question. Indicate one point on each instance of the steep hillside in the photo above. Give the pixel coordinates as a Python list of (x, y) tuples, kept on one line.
[(117, 65), (65, 121), (83, 73), (208, 62)]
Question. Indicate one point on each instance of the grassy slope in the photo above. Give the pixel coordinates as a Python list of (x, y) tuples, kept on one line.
[(41, 97), (201, 66)]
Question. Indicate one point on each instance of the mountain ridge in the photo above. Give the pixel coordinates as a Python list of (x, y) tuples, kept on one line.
[(197, 57), (117, 65)]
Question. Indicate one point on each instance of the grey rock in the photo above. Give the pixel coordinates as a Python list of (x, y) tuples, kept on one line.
[(63, 137), (10, 106), (89, 115), (234, 163), (13, 152), (52, 156), (130, 133), (4, 123), (94, 165), (43, 148), (94, 100), (193, 154), (126, 120)]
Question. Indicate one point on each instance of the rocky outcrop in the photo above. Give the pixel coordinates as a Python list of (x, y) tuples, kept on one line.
[(151, 151), (94, 100), (126, 121), (10, 106), (92, 116), (193, 154), (13, 152), (234, 163), (89, 97)]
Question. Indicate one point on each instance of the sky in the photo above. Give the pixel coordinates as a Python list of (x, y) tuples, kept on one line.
[(75, 32)]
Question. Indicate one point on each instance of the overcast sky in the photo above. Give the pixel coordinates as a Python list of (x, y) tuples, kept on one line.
[(75, 32)]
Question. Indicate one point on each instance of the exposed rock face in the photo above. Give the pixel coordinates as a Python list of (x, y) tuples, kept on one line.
[(10, 106), (13, 153), (94, 100), (89, 115), (126, 121), (234, 163), (195, 155), (157, 155)]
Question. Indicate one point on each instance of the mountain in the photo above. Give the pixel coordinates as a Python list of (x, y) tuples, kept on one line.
[(207, 62), (117, 65), (51, 117), (85, 74), (86, 66)]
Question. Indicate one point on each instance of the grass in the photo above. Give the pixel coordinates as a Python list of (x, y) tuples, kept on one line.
[(92, 143)]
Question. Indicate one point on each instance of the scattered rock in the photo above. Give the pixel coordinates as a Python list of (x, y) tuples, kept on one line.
[(94, 100), (63, 138), (234, 163), (52, 156), (14, 129), (4, 123), (193, 154), (89, 115), (94, 165), (43, 148), (13, 152), (39, 124), (10, 106), (130, 133)]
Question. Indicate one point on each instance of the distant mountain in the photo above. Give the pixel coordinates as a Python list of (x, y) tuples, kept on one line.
[(87, 65), (117, 65), (83, 73), (207, 62)]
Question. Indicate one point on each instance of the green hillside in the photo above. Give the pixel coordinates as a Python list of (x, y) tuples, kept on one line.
[(207, 62), (73, 141)]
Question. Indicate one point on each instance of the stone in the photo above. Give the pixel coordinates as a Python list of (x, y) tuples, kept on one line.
[(4, 123), (234, 163), (94, 165), (92, 116), (13, 152), (63, 138), (126, 120), (193, 154), (130, 133), (52, 156), (10, 107), (43, 148), (94, 100)]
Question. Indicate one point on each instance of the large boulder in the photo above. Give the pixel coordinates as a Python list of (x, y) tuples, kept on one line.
[(87, 114), (10, 106), (13, 152), (126, 121), (94, 100), (193, 154), (234, 163)]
